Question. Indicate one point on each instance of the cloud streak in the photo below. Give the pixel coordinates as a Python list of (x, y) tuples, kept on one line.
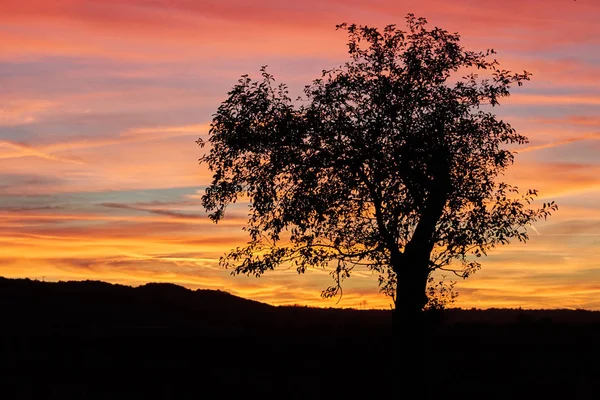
[(23, 150), (589, 136)]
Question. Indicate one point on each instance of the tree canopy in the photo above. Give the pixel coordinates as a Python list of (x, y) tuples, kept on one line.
[(392, 162)]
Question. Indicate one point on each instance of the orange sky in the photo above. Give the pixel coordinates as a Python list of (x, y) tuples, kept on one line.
[(102, 101)]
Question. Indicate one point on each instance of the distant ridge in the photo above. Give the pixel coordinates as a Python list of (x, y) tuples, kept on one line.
[(33, 305), (94, 303), (30, 303)]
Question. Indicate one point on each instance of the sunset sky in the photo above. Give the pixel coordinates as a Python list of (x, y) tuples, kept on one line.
[(101, 102)]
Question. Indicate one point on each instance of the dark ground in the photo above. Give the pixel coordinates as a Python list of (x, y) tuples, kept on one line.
[(93, 340)]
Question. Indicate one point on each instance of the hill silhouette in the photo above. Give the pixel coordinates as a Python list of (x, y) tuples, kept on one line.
[(93, 303), (98, 340)]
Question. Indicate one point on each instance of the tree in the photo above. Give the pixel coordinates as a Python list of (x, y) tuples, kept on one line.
[(390, 162)]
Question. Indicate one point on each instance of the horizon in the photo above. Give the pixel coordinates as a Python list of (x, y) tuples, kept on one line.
[(104, 101), (357, 307)]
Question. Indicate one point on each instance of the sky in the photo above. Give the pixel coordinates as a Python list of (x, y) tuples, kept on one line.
[(101, 102)]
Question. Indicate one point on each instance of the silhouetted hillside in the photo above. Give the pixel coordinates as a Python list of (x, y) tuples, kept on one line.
[(92, 303), (78, 304), (84, 303)]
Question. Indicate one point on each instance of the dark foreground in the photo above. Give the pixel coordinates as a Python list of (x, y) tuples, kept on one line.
[(92, 340)]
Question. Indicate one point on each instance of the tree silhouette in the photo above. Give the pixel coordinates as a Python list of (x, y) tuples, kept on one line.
[(389, 162)]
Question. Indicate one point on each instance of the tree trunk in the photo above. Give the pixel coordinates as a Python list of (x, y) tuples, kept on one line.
[(409, 328), (410, 331)]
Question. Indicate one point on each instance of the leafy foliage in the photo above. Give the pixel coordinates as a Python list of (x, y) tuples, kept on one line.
[(441, 295), (390, 162)]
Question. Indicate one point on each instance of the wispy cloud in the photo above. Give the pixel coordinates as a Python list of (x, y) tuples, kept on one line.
[(169, 213), (589, 136), (24, 150)]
